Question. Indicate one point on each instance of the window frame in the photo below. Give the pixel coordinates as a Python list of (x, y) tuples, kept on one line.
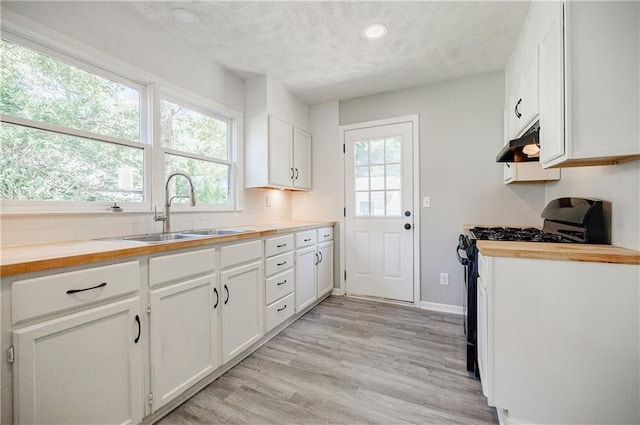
[(151, 88)]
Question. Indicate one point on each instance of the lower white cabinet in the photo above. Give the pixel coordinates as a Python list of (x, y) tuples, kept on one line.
[(306, 293), (82, 368), (242, 308), (324, 273), (184, 336)]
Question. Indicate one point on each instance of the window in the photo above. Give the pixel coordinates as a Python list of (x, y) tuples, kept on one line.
[(378, 190), (197, 142), (68, 132)]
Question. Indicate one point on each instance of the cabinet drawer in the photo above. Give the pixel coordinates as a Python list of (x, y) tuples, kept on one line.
[(278, 263), (240, 253), (166, 268), (273, 246), (325, 234), (48, 294), (279, 285), (305, 238), (280, 311)]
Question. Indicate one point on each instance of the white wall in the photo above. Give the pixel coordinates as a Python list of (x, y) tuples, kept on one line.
[(461, 131), (108, 31)]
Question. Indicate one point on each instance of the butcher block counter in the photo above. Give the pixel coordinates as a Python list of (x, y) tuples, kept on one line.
[(34, 258), (559, 251)]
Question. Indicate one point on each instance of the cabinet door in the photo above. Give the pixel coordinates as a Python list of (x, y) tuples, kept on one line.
[(481, 335), (280, 140), (184, 336), (242, 297), (301, 159), (529, 92), (83, 368), (325, 268), (551, 85), (306, 261)]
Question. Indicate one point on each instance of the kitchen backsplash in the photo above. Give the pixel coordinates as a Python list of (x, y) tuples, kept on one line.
[(27, 229)]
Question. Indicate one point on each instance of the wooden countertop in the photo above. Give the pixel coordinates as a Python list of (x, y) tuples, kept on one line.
[(559, 251), (34, 258)]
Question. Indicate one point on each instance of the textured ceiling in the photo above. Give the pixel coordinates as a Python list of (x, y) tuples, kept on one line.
[(318, 51)]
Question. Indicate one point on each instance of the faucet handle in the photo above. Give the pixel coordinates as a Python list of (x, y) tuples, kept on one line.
[(156, 217)]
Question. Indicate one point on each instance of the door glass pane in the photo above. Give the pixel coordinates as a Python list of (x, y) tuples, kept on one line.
[(362, 152), (377, 203), (393, 177), (362, 204), (393, 149), (377, 177), (394, 203), (377, 151), (362, 178)]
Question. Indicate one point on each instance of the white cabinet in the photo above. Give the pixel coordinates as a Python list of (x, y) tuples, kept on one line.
[(314, 265), (324, 274), (522, 96), (280, 280), (278, 150), (531, 171), (242, 295), (183, 317), (559, 341), (587, 58), (76, 342)]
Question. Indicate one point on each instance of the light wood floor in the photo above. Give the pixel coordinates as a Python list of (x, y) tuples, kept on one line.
[(349, 361)]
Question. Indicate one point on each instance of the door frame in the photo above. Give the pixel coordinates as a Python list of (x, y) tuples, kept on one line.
[(415, 124)]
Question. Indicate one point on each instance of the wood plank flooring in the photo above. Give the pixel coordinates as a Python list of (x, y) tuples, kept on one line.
[(349, 361)]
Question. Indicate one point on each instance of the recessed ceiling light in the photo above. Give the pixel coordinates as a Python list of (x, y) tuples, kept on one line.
[(375, 31), (183, 16)]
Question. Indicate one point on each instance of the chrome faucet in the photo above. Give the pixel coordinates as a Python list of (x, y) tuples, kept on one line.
[(165, 219)]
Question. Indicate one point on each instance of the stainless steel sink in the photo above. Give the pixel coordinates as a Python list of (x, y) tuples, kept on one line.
[(179, 236)]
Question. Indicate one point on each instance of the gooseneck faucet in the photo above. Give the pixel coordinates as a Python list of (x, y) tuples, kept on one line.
[(166, 221)]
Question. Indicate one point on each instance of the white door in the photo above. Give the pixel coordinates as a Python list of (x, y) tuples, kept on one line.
[(301, 159), (83, 368), (184, 325), (379, 211), (242, 308)]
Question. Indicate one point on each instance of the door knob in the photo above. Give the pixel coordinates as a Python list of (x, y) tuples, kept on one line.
[(407, 213), (407, 226)]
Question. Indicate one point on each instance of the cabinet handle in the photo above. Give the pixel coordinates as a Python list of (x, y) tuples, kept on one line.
[(226, 289), (518, 114), (281, 264), (317, 258), (281, 283), (326, 236), (321, 258), (215, 290), (307, 240), (280, 309), (507, 164), (139, 329), (281, 245), (74, 291), (291, 173), (296, 174)]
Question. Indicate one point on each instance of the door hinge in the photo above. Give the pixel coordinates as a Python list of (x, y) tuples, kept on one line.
[(11, 354), (150, 399), (345, 275), (344, 148), (148, 308)]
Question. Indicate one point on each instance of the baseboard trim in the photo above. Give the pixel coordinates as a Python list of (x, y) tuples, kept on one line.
[(443, 308), (337, 292)]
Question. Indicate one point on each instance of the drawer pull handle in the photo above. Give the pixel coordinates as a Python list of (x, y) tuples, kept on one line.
[(281, 245), (74, 291), (307, 240), (215, 290), (281, 264), (326, 236), (226, 289), (281, 283), (139, 329), (280, 309)]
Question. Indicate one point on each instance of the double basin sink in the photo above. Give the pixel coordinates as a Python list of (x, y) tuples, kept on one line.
[(180, 236)]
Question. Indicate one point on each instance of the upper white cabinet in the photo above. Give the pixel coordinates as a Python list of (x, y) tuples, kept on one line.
[(585, 66), (277, 146), (530, 171)]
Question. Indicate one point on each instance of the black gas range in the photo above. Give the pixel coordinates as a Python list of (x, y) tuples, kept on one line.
[(566, 220)]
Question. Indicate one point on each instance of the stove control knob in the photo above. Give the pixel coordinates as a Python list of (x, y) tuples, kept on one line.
[(407, 226)]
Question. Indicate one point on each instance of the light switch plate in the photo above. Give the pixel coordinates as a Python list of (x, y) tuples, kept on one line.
[(426, 202)]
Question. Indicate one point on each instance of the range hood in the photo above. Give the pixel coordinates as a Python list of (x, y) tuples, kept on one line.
[(523, 149)]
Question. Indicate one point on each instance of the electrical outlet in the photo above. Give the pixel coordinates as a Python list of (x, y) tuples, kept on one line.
[(426, 202), (444, 278), (268, 201)]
